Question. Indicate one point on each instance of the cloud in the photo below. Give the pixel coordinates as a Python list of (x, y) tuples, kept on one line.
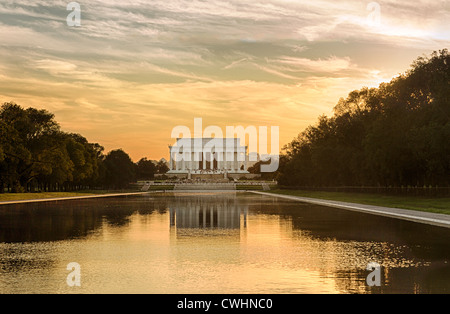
[(331, 64), (136, 68), (55, 66)]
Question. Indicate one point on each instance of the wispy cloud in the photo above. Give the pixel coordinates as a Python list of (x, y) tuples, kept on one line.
[(134, 69), (331, 64)]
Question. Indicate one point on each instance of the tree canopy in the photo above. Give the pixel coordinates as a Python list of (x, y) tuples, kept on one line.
[(393, 135), (35, 154)]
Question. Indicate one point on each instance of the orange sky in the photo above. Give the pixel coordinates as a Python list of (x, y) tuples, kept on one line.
[(134, 70)]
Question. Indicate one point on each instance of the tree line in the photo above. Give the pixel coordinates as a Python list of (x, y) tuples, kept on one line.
[(36, 155), (395, 135)]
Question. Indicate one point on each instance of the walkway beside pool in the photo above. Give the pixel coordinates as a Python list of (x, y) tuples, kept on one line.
[(440, 220), (55, 199)]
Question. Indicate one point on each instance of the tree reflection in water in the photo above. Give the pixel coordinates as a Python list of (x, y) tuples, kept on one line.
[(251, 242)]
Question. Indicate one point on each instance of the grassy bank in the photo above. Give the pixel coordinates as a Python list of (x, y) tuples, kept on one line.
[(6, 197), (435, 205)]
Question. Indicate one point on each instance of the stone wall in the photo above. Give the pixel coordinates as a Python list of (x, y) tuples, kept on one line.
[(210, 176), (244, 175)]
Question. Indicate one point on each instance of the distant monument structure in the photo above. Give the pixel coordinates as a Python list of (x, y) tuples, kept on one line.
[(208, 158)]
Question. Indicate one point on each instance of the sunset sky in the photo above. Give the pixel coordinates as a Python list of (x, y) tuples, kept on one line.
[(135, 69)]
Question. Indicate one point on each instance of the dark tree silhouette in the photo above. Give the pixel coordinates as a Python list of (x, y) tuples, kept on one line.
[(120, 169), (393, 135), (35, 155), (146, 169)]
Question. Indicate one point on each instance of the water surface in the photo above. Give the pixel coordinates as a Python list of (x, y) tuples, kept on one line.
[(215, 243)]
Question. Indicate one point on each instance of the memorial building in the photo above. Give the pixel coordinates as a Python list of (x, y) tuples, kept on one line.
[(194, 156)]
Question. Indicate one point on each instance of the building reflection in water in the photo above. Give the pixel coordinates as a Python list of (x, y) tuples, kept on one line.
[(207, 211)]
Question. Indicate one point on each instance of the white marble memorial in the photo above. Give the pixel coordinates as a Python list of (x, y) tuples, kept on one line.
[(208, 156)]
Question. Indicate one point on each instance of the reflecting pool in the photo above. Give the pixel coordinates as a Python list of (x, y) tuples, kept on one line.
[(215, 243)]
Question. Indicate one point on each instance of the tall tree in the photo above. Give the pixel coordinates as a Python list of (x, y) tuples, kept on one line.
[(161, 166), (29, 134), (34, 152), (119, 169), (146, 169), (397, 134)]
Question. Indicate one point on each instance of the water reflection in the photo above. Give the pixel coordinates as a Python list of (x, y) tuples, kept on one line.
[(220, 210), (327, 223), (55, 221), (415, 257), (215, 243)]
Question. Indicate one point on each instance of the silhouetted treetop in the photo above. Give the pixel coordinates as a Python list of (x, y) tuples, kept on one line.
[(396, 134)]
